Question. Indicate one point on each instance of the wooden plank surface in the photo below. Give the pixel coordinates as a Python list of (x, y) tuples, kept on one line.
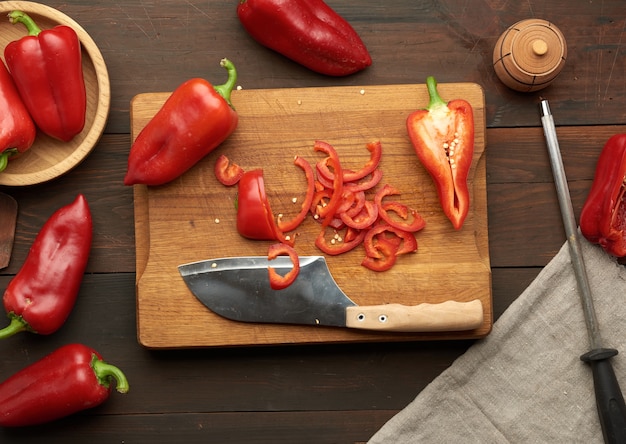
[(178, 224)]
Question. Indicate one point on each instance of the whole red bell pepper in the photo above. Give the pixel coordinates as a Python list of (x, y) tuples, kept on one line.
[(192, 122), (603, 216), (48, 71), (43, 292), (443, 138), (17, 130), (70, 379), (308, 32)]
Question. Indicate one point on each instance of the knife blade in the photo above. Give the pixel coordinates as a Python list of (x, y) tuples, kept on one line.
[(238, 289)]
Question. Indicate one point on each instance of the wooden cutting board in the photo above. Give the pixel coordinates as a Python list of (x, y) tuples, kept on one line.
[(193, 217)]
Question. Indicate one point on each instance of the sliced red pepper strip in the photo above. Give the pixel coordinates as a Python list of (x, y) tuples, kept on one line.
[(329, 210), (365, 185), (375, 149), (227, 172), (278, 282), (404, 241), (366, 217), (443, 138), (415, 224), (308, 199), (384, 260), (603, 216), (340, 246)]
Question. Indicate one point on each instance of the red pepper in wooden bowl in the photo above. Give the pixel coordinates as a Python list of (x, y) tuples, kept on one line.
[(192, 122), (68, 380), (48, 71), (17, 130), (308, 32), (443, 138), (42, 294), (603, 217)]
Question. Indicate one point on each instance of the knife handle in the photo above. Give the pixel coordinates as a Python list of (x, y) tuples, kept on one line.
[(445, 316)]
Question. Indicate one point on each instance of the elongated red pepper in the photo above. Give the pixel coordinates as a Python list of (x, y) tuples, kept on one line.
[(42, 294), (71, 379), (17, 130), (194, 120), (603, 217), (308, 32), (443, 138), (48, 71)]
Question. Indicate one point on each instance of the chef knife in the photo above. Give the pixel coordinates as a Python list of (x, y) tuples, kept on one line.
[(238, 289), (609, 398)]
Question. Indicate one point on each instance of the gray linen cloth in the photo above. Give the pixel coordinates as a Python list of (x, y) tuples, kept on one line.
[(525, 382)]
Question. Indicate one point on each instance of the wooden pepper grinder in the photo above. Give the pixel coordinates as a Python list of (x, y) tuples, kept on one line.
[(529, 55)]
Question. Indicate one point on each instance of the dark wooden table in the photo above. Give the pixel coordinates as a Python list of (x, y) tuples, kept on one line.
[(325, 393)]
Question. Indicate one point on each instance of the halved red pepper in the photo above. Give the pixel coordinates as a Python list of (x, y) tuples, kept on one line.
[(308, 32), (443, 138), (48, 72), (70, 379), (42, 294), (603, 216), (193, 121), (17, 130)]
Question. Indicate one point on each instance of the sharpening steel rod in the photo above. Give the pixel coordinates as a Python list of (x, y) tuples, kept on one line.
[(609, 398)]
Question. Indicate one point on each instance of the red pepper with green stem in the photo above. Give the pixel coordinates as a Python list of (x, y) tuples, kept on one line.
[(48, 71), (17, 130), (308, 32), (603, 216), (443, 138), (193, 121), (71, 379), (42, 294)]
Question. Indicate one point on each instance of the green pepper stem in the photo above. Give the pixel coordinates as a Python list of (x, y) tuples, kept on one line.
[(4, 160), (225, 89), (17, 325), (435, 99), (105, 371), (23, 18)]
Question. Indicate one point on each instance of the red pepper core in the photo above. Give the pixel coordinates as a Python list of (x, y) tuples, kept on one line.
[(17, 130), (42, 294), (443, 138), (603, 216), (68, 380), (192, 122), (48, 72), (307, 32)]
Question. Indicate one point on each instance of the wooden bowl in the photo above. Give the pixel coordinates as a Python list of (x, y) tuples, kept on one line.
[(49, 158), (529, 55)]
